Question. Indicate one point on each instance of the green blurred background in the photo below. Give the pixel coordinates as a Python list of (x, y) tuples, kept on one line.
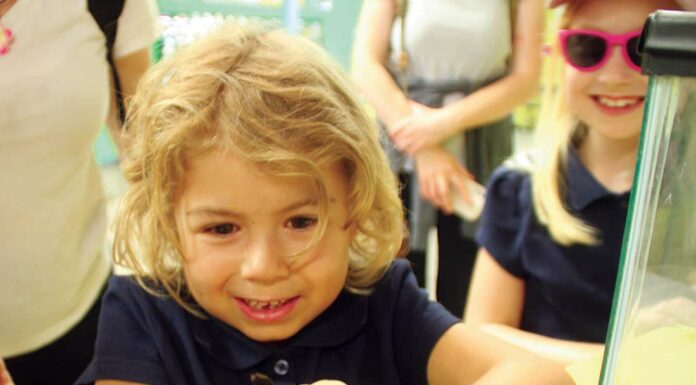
[(330, 23)]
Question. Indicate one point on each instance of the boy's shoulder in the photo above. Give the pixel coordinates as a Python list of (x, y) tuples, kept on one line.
[(398, 277), (396, 272), (125, 291), (128, 284), (397, 295)]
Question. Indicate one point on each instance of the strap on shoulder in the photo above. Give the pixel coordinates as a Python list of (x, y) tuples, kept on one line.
[(106, 14)]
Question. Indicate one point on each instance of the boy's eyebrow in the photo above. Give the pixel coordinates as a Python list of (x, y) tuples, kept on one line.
[(222, 212)]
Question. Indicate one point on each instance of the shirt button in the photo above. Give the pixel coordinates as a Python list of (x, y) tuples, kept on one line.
[(281, 367)]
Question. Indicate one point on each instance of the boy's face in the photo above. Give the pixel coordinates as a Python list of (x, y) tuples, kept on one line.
[(239, 230)]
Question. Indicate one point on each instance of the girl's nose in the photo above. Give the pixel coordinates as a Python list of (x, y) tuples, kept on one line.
[(263, 261), (616, 70)]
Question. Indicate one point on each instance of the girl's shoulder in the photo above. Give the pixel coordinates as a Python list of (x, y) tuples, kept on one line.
[(511, 182), (508, 214)]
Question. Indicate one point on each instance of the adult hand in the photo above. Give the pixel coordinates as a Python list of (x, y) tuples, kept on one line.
[(438, 170), (424, 127), (5, 378), (328, 382)]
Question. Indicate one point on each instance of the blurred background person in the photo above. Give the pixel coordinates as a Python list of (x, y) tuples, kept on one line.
[(465, 65), (55, 94)]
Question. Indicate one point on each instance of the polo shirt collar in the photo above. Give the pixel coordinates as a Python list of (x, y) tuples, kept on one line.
[(336, 325), (583, 187)]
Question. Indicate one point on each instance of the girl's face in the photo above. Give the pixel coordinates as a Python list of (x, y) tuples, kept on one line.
[(240, 228), (610, 99)]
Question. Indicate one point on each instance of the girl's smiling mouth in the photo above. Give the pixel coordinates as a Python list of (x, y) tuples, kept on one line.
[(618, 104)]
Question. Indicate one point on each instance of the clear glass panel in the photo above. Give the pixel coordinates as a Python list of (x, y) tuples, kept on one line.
[(652, 337)]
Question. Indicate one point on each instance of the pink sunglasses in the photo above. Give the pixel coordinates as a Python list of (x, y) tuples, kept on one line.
[(588, 50)]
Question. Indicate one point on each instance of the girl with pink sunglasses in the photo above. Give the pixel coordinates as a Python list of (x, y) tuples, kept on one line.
[(552, 227)]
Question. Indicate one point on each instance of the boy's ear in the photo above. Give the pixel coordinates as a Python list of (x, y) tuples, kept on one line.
[(351, 227)]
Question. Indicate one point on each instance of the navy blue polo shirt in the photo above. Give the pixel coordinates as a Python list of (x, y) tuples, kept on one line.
[(568, 290), (384, 338)]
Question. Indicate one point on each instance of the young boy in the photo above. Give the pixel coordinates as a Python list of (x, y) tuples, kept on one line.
[(262, 221)]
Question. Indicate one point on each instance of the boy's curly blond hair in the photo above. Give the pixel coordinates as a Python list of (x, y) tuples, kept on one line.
[(278, 102)]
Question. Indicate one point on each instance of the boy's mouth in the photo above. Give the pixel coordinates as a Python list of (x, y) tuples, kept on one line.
[(261, 305), (267, 311)]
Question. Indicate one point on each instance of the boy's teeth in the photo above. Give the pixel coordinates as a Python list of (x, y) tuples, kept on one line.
[(264, 305), (618, 103)]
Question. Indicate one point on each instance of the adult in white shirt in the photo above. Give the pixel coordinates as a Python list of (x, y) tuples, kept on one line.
[(470, 64), (54, 96)]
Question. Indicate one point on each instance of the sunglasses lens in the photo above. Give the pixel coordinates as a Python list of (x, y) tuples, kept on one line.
[(632, 48), (584, 50)]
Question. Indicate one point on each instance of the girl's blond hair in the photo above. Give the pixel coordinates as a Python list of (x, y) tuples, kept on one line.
[(278, 102), (557, 129)]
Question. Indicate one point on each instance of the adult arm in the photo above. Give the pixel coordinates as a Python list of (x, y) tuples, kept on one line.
[(138, 27), (437, 170), (370, 52), (489, 103), (495, 304), (130, 69)]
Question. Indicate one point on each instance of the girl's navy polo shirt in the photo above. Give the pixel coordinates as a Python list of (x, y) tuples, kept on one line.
[(568, 290), (384, 338)]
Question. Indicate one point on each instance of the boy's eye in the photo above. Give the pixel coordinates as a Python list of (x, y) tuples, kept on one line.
[(301, 222), (221, 229)]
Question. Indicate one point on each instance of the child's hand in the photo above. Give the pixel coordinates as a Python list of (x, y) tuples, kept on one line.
[(679, 310), (5, 378)]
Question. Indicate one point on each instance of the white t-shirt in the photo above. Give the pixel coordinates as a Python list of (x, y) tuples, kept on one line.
[(454, 40), (54, 96)]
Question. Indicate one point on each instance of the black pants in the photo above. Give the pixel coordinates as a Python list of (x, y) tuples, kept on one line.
[(416, 257), (456, 256), (61, 362)]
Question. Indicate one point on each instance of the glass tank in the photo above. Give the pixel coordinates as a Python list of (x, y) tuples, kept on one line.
[(652, 335)]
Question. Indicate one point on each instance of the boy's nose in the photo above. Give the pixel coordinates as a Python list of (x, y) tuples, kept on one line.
[(263, 261)]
